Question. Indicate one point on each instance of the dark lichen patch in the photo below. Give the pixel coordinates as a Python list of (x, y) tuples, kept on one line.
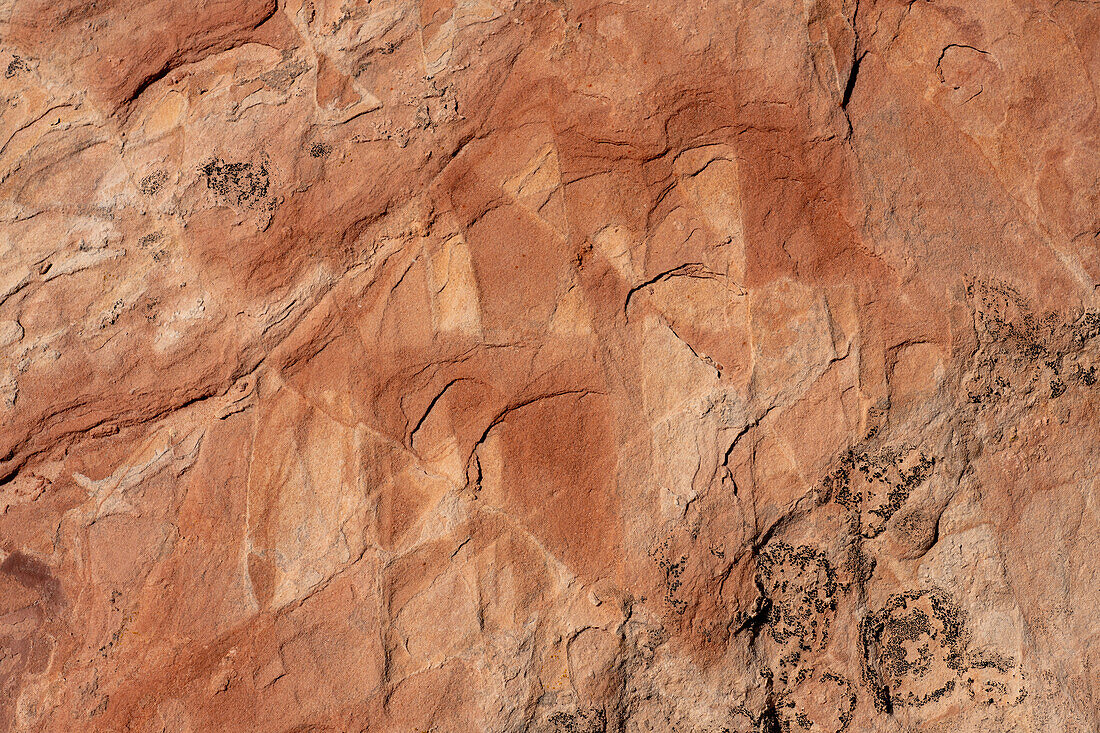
[(766, 721), (282, 77), (1017, 347), (589, 720), (1003, 316), (649, 640), (907, 619), (151, 242), (1086, 327), (799, 588), (874, 485), (913, 649), (148, 240), (837, 486), (672, 567), (848, 711), (916, 653), (16, 65), (992, 678), (900, 481), (319, 150), (240, 183), (100, 708), (823, 700), (150, 184)]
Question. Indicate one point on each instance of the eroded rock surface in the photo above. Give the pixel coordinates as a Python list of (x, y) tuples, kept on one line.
[(474, 365)]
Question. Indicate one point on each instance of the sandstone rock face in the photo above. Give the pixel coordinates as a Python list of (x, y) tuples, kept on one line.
[(551, 366)]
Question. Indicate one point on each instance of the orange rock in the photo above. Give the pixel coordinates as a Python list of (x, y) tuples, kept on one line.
[(483, 366)]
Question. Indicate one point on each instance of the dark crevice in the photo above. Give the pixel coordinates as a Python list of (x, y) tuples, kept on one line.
[(474, 462), (689, 269), (851, 85), (769, 719), (755, 620), (147, 82), (431, 405), (185, 56)]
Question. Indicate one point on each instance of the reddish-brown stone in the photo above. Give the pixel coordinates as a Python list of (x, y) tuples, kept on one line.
[(484, 366)]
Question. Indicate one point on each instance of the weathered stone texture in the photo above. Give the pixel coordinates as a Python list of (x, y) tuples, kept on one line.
[(551, 366)]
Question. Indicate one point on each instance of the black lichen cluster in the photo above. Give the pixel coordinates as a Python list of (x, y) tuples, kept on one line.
[(874, 485), (1019, 350), (991, 691), (152, 183), (766, 721), (899, 482), (16, 65), (849, 694), (837, 689), (591, 720), (799, 586), (915, 649), (832, 698), (1087, 327), (673, 571), (149, 242), (241, 183)]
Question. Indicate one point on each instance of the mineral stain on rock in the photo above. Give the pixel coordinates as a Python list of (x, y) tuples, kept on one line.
[(549, 367)]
